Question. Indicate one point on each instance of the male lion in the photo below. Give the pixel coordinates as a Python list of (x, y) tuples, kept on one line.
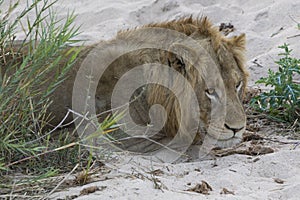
[(226, 53), (228, 56)]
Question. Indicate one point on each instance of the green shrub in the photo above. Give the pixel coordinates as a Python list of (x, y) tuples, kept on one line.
[(282, 101)]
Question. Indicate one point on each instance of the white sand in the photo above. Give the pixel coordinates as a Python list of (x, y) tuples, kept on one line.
[(101, 19), (247, 178)]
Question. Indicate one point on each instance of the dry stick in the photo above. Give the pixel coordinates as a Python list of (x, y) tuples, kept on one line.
[(84, 117), (272, 140), (55, 188), (293, 36), (298, 27), (255, 62), (12, 189)]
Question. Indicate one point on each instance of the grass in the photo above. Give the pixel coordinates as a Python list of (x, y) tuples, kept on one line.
[(26, 145), (25, 66)]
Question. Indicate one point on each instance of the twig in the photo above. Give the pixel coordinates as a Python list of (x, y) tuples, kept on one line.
[(298, 24), (255, 62), (84, 117), (277, 32), (61, 182), (293, 36), (281, 142), (296, 145)]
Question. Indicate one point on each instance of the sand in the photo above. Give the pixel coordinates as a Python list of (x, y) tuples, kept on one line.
[(247, 177), (267, 25)]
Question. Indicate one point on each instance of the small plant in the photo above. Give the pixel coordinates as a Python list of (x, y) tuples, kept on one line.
[(282, 102)]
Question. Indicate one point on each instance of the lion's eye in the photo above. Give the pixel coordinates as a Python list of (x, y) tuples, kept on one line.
[(239, 86), (211, 94), (210, 91)]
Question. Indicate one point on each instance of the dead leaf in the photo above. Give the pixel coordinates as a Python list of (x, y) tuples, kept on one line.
[(158, 184), (68, 197), (253, 150), (197, 170), (157, 172), (82, 178), (226, 28), (91, 189), (278, 180), (226, 191), (260, 150), (202, 188)]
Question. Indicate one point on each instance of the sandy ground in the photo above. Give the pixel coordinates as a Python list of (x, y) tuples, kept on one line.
[(267, 24), (247, 177)]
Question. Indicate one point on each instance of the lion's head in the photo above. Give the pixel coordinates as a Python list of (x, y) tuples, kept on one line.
[(227, 123)]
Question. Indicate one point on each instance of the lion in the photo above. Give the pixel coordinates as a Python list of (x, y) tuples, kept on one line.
[(228, 54)]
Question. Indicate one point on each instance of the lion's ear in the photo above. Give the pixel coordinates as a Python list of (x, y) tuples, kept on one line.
[(178, 54), (175, 60)]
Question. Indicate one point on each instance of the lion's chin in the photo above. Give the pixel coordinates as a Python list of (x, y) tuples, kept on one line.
[(210, 142), (226, 139), (228, 143)]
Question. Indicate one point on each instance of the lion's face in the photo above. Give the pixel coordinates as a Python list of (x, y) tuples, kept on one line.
[(226, 126), (222, 116)]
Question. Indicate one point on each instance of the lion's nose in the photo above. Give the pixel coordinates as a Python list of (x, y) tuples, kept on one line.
[(235, 130)]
